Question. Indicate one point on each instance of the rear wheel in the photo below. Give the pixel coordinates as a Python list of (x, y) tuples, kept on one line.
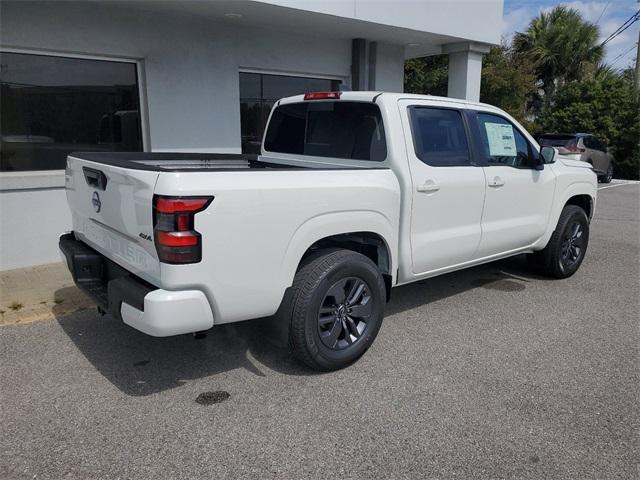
[(338, 305), (565, 251), (607, 177)]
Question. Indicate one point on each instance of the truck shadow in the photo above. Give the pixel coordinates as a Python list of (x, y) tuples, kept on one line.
[(509, 275), (141, 365)]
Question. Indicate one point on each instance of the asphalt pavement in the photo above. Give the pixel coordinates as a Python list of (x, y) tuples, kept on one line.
[(492, 372)]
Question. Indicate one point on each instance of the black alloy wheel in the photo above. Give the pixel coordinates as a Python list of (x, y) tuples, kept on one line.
[(344, 313), (336, 308), (567, 246), (572, 244)]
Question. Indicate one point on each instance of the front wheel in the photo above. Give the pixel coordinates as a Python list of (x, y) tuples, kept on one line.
[(338, 305), (566, 249)]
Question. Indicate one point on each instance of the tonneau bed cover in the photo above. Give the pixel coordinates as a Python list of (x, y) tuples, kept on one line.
[(206, 162), (176, 162)]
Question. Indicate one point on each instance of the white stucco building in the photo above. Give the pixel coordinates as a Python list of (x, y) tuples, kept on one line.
[(192, 76)]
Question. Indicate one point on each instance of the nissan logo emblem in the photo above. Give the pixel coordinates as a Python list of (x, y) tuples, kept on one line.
[(95, 201)]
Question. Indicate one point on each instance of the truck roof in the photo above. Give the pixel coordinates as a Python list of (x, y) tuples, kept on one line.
[(370, 96)]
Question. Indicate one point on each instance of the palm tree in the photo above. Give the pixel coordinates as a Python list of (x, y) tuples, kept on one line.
[(561, 46), (604, 71)]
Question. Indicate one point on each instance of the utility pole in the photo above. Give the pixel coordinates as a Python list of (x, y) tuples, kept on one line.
[(638, 61)]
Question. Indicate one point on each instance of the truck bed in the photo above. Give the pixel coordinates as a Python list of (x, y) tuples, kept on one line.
[(198, 162), (177, 162)]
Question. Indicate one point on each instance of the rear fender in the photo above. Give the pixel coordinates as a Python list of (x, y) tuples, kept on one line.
[(336, 223)]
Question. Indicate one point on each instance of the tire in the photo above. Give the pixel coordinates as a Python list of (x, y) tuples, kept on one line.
[(566, 249), (324, 332), (607, 177)]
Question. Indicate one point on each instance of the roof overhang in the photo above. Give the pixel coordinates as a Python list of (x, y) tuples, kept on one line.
[(334, 20)]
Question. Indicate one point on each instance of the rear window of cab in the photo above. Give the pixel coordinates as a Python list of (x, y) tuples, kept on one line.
[(338, 129)]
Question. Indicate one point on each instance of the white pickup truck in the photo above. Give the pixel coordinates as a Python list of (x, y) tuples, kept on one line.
[(354, 193)]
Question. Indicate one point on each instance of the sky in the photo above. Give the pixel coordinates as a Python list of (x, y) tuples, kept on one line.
[(608, 15)]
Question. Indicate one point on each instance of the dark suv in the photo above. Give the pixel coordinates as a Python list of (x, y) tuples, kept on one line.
[(585, 147)]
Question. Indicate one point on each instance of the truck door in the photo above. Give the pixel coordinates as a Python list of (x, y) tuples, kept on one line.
[(447, 187), (518, 201)]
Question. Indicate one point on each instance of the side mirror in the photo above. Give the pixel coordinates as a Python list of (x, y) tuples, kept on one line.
[(548, 155)]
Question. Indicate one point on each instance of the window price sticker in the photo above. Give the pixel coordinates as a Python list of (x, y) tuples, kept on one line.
[(502, 141)]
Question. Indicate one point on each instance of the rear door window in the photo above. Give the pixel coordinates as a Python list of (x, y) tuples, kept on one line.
[(439, 136), (348, 130)]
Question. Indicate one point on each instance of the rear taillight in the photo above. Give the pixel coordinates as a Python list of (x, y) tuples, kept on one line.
[(571, 148), (173, 228)]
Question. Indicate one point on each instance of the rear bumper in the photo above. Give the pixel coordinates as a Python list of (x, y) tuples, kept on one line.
[(151, 310)]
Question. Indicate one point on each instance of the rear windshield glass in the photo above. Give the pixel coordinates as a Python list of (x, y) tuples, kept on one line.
[(351, 130), (557, 141)]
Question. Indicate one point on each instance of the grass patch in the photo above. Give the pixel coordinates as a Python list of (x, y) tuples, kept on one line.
[(15, 306)]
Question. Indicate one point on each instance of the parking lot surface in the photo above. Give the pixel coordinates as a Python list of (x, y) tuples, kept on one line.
[(491, 372)]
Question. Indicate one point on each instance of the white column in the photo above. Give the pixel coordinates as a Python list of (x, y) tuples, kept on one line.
[(465, 67)]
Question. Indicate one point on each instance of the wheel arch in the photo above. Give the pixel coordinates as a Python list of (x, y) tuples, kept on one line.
[(370, 244), (583, 201), (369, 233)]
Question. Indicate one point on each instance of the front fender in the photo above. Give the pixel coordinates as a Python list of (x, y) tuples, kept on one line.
[(572, 190), (336, 223)]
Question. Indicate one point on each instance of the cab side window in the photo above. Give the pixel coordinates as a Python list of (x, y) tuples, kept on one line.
[(502, 143), (439, 136)]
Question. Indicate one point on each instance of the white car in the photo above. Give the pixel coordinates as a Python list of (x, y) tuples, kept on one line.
[(354, 193)]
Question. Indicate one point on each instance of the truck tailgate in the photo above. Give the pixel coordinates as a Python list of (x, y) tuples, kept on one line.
[(111, 210)]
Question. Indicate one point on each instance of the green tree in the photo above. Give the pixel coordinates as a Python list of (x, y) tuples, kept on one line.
[(508, 82), (561, 46), (606, 105), (427, 76)]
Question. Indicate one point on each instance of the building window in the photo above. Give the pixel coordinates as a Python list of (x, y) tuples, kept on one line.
[(52, 106), (258, 93)]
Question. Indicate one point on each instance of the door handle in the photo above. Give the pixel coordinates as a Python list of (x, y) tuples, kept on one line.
[(496, 182), (428, 187)]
